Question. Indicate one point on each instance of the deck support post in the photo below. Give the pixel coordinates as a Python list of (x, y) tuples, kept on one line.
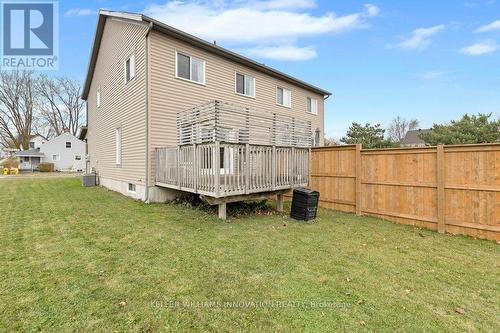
[(216, 168), (279, 202), (247, 168), (179, 167), (222, 210), (273, 170), (195, 169)]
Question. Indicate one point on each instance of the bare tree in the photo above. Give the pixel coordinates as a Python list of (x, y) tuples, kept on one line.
[(61, 106), (18, 101), (329, 141), (399, 126)]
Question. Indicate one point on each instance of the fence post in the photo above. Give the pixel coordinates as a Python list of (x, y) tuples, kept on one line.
[(358, 179), (441, 224)]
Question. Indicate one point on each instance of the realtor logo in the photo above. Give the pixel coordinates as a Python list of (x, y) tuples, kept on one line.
[(29, 34)]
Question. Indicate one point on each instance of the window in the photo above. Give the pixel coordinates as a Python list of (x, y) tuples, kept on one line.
[(56, 157), (32, 145), (129, 68), (245, 85), (26, 158), (98, 97), (68, 144), (317, 134), (118, 146), (78, 157), (190, 68), (312, 105), (283, 97), (131, 187)]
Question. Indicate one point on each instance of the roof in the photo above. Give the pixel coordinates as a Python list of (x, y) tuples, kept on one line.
[(181, 35), (411, 137), (31, 152)]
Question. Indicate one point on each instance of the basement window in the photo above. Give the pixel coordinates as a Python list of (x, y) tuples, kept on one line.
[(131, 188)]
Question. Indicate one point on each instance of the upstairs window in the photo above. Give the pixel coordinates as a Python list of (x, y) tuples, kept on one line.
[(245, 85), (129, 68), (118, 146), (312, 105), (32, 145), (283, 97), (98, 97), (68, 144), (190, 68)]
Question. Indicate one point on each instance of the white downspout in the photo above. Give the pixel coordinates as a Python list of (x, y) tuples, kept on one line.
[(146, 197)]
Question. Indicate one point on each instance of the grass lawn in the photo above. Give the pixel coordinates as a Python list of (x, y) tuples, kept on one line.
[(87, 259)]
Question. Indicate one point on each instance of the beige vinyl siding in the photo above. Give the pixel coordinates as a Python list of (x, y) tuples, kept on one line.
[(169, 95), (122, 105)]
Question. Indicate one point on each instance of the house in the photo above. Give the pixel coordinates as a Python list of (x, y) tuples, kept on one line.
[(66, 152), (144, 76), (412, 138), (7, 152), (36, 141)]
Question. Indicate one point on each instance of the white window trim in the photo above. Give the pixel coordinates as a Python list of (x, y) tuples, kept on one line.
[(118, 146), (204, 83), (129, 190), (98, 97), (254, 85), (132, 68), (58, 157), (276, 99), (315, 100)]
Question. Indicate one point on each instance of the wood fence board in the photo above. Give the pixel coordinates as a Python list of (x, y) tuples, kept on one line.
[(406, 186)]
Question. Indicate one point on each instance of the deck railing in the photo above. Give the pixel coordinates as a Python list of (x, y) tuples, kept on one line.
[(226, 149), (224, 169)]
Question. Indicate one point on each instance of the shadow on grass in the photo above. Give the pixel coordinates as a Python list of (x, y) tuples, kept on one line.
[(234, 209)]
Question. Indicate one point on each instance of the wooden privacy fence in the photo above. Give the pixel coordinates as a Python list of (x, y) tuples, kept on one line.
[(453, 189)]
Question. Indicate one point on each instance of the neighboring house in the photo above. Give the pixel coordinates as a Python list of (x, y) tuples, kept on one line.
[(412, 139), (66, 152), (7, 152), (37, 141), (142, 73)]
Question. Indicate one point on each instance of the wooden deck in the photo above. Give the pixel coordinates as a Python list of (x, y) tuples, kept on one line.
[(235, 170), (226, 152)]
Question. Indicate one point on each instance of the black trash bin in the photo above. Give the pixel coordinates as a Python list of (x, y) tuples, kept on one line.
[(304, 204)]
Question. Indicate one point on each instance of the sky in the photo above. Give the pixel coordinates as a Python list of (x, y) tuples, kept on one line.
[(429, 60)]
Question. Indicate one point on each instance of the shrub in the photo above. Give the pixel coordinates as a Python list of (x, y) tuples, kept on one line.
[(46, 167), (11, 162)]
